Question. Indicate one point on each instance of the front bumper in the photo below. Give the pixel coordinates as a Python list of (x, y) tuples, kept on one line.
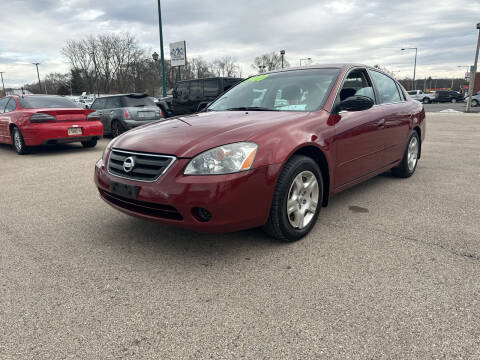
[(57, 132), (235, 201)]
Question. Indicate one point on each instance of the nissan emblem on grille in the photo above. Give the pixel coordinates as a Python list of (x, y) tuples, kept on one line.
[(128, 164)]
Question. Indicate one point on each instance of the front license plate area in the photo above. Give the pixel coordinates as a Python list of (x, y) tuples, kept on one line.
[(124, 190), (74, 131)]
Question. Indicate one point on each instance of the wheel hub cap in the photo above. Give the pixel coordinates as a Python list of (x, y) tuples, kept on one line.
[(302, 200), (412, 153), (18, 141)]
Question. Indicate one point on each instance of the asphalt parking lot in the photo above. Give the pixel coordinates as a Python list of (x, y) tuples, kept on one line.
[(461, 106), (391, 270)]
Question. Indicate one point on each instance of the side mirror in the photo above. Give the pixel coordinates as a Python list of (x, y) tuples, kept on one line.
[(355, 103)]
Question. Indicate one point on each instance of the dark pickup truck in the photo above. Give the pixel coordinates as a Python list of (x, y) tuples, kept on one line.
[(191, 96)]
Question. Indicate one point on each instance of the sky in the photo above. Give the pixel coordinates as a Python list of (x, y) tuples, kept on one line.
[(369, 32)]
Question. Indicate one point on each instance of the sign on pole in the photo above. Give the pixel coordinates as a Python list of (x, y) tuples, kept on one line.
[(178, 53)]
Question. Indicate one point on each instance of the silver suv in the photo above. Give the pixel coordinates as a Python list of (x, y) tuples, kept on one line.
[(120, 113)]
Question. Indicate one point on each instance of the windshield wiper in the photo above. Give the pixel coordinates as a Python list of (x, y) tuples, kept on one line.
[(253, 108)]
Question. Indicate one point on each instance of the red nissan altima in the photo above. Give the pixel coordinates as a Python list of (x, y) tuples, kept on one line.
[(269, 152), (32, 120)]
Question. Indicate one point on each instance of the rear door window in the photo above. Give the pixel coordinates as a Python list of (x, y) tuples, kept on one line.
[(3, 102), (210, 87), (386, 87), (113, 103), (98, 104), (195, 90)]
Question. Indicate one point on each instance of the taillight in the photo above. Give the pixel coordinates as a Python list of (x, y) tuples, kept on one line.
[(42, 118), (93, 118), (126, 113)]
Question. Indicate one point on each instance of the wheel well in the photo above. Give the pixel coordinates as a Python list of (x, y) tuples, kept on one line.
[(317, 155), (11, 127), (419, 132)]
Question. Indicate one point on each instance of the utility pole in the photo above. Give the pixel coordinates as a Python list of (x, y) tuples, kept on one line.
[(38, 75), (473, 72), (162, 56), (3, 85), (414, 66)]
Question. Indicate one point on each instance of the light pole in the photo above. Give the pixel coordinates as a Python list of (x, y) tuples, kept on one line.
[(305, 59), (38, 75), (155, 58), (3, 85), (162, 55), (473, 73), (414, 66), (282, 54)]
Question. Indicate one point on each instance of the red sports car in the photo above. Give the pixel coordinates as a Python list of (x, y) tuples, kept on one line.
[(46, 119), (269, 152)]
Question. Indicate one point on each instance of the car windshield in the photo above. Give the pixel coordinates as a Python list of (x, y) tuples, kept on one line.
[(295, 90), (48, 102), (139, 101)]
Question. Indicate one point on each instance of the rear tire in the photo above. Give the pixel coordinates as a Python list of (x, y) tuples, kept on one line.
[(117, 128), (474, 102), (453, 101), (90, 143), (18, 142), (410, 158), (297, 200)]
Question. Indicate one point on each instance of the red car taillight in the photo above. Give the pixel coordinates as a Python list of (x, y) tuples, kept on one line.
[(42, 118), (126, 113), (93, 118)]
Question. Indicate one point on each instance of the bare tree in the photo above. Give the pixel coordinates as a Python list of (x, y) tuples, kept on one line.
[(226, 66), (268, 62)]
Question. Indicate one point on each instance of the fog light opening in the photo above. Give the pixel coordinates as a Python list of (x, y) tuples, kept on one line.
[(201, 214)]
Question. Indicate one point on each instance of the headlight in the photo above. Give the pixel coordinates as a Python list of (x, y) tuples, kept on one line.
[(225, 159), (107, 150)]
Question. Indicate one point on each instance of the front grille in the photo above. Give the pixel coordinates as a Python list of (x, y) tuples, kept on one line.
[(147, 167), (141, 207)]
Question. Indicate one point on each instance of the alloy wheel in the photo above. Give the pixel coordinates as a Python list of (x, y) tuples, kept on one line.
[(17, 140), (412, 153), (302, 200)]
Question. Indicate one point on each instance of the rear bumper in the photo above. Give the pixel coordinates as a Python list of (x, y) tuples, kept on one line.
[(57, 132)]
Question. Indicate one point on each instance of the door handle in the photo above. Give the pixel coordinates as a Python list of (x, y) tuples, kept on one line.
[(381, 123)]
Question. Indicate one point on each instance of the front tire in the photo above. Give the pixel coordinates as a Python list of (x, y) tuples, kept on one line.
[(18, 142), (474, 102), (426, 100), (453, 101), (90, 143), (297, 200), (410, 158)]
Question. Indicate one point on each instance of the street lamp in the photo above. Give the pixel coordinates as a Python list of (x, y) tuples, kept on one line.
[(38, 75), (3, 85), (473, 73), (305, 59), (282, 54), (155, 58), (414, 66), (162, 56)]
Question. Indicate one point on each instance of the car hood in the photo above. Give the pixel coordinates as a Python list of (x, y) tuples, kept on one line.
[(187, 136)]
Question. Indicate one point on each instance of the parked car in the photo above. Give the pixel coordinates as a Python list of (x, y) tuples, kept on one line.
[(311, 133), (475, 98), (425, 98), (448, 96), (120, 113), (33, 120), (190, 96)]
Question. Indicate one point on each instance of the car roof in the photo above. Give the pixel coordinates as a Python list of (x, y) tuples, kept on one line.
[(139, 95)]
